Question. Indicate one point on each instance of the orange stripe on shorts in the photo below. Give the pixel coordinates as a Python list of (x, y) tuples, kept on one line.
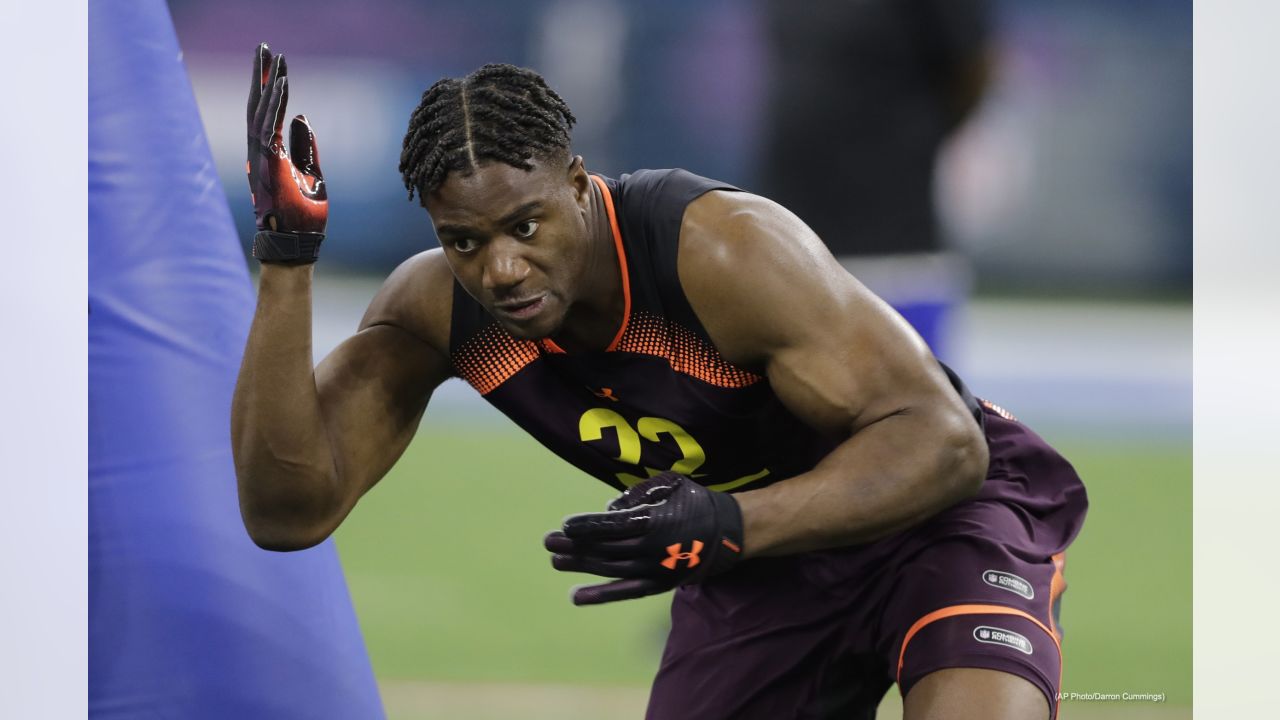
[(955, 610), (1056, 586)]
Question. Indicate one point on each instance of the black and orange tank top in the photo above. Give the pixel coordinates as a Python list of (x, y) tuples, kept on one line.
[(660, 397)]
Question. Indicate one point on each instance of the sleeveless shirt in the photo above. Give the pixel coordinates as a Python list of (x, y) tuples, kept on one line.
[(660, 397)]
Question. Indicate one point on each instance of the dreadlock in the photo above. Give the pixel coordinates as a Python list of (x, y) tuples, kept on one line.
[(499, 112)]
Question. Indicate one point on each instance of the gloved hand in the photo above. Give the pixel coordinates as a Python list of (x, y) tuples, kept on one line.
[(289, 195), (663, 532)]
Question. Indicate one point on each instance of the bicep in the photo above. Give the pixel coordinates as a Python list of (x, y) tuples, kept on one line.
[(373, 390), (855, 371)]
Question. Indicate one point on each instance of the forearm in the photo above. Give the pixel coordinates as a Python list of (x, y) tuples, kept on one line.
[(881, 480), (284, 462)]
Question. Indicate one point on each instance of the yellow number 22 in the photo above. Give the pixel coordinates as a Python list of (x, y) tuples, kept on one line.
[(591, 428)]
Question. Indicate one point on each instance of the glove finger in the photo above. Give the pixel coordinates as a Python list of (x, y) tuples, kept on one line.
[(628, 589), (261, 61), (605, 568), (649, 492), (608, 525), (279, 101), (302, 146), (302, 151), (270, 73), (558, 542)]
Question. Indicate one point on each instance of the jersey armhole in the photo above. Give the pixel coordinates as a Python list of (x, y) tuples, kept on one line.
[(666, 196)]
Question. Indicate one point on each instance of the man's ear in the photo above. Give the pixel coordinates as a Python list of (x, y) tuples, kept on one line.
[(580, 180)]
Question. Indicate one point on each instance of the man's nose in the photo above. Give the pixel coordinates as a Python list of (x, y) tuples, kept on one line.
[(505, 265)]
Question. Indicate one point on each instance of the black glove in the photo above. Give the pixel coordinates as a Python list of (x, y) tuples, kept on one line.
[(663, 532)]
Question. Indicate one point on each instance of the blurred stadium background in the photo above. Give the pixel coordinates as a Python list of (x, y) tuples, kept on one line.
[(1070, 190)]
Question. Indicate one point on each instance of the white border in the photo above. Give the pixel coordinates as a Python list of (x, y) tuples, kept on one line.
[(43, 365), (1237, 356)]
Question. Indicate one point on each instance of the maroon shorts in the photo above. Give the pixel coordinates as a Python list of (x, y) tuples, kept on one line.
[(826, 634)]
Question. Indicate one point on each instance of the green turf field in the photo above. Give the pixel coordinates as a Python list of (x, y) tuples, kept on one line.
[(1127, 610), (451, 584)]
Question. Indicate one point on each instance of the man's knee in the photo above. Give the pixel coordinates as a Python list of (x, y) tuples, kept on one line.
[(975, 694)]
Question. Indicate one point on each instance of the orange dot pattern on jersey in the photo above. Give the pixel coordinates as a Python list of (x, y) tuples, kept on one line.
[(491, 357), (683, 350)]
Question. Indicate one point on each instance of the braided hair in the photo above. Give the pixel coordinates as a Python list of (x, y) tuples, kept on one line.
[(499, 112)]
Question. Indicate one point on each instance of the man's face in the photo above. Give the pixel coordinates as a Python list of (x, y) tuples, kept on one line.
[(517, 240)]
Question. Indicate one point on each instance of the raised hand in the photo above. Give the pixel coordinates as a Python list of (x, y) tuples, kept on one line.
[(290, 200)]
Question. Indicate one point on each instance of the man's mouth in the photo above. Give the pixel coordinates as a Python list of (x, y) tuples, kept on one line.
[(522, 309)]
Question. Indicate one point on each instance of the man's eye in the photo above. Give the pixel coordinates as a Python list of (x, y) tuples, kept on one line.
[(464, 245), (527, 228)]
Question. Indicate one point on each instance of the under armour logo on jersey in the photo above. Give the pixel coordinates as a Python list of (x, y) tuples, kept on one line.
[(674, 556), (606, 393)]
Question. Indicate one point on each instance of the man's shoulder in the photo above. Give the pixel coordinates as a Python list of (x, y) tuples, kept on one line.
[(723, 229), (417, 297), (755, 273)]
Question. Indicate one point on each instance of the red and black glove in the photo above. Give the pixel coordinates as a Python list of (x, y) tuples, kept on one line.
[(663, 532), (289, 196)]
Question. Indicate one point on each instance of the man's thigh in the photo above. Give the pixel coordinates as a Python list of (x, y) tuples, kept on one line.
[(974, 694), (970, 601), (766, 643)]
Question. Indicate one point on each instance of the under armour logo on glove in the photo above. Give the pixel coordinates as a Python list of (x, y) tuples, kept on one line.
[(674, 556), (663, 532)]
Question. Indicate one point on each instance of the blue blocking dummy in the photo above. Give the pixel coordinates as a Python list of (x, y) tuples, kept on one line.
[(188, 620)]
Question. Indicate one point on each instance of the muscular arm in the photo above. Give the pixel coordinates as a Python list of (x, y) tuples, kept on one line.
[(771, 295), (309, 443)]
